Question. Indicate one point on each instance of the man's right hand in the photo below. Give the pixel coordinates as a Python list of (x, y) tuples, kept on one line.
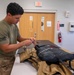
[(27, 42)]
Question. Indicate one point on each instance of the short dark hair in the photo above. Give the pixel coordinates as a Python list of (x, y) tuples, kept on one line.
[(14, 9)]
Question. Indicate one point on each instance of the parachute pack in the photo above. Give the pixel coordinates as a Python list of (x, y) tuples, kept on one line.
[(52, 54)]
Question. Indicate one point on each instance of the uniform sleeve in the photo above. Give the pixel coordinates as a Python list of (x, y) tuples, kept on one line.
[(3, 36)]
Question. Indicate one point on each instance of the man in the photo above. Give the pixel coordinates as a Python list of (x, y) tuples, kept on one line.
[(9, 35)]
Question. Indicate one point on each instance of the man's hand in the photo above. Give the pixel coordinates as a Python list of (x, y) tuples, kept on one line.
[(33, 40), (27, 42)]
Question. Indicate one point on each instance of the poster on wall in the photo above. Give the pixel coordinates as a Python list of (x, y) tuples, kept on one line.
[(31, 18), (48, 23)]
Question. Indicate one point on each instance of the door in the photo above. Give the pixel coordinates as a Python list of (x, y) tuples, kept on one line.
[(38, 25)]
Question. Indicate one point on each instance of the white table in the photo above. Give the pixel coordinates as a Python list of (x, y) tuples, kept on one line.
[(23, 68)]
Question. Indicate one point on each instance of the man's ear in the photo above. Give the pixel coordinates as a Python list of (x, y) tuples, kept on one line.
[(9, 14)]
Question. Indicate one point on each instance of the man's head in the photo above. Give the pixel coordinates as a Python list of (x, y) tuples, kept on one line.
[(14, 12), (14, 9)]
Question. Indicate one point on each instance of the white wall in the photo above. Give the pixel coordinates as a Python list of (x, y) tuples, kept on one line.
[(60, 5)]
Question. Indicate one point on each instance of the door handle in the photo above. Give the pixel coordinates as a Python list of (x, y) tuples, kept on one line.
[(35, 34)]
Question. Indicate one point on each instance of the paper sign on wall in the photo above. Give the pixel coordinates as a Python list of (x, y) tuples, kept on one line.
[(48, 23), (31, 18)]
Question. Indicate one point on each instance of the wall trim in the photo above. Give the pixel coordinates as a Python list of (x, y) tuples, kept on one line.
[(40, 10)]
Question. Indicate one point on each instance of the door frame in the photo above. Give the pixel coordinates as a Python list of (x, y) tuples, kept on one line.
[(45, 11)]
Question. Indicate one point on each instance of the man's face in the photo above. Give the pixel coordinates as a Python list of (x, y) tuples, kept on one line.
[(14, 19)]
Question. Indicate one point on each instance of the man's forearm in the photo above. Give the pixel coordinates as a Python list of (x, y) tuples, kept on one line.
[(22, 39), (12, 47)]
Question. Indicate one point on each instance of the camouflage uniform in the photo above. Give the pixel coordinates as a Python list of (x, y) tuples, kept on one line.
[(6, 64), (8, 34)]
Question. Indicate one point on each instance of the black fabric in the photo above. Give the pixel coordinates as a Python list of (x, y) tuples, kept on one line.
[(52, 55), (46, 42)]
